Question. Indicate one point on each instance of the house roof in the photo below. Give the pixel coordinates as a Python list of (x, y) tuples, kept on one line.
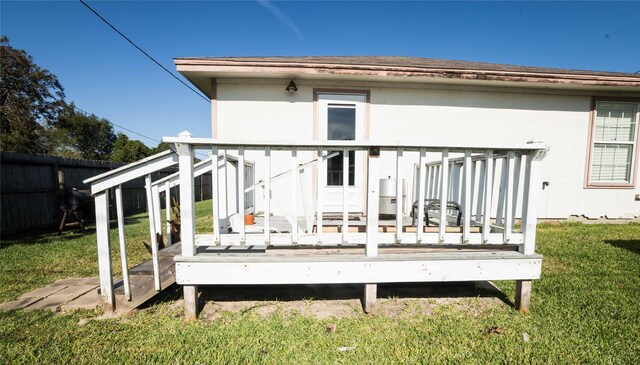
[(388, 68)]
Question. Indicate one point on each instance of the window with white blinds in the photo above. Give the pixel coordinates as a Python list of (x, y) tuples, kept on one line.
[(614, 142)]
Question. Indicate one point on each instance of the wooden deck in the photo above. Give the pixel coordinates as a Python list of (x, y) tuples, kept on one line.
[(240, 265), (141, 279)]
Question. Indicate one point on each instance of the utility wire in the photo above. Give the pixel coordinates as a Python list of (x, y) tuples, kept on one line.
[(119, 126), (143, 52), (127, 129)]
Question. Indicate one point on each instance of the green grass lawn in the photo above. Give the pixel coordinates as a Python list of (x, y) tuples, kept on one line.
[(584, 310)]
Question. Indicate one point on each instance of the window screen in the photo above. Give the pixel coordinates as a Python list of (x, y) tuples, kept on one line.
[(613, 142)]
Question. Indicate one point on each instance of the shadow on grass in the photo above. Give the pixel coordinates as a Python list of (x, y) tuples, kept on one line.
[(629, 245), (53, 237), (288, 293)]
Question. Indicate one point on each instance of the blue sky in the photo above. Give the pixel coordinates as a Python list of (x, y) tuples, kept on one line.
[(105, 75)]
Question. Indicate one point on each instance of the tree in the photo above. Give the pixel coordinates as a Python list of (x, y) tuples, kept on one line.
[(30, 98), (91, 136), (58, 142), (126, 150), (162, 146)]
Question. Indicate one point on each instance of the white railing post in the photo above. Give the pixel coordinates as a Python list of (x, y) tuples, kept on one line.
[(502, 191), (516, 187), (473, 187), (267, 197), (155, 190), (468, 200), (488, 196), (508, 193), (294, 196), (187, 198), (152, 231), (530, 198), (241, 194), (454, 181), (320, 179), (123, 246), (421, 187), (223, 196), (215, 195), (431, 173), (167, 212), (108, 301), (436, 182), (188, 218), (399, 197), (481, 188), (345, 185), (442, 228), (373, 196)]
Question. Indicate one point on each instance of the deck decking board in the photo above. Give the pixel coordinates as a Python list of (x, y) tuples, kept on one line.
[(142, 281)]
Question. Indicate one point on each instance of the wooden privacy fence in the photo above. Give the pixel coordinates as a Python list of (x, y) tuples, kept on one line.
[(30, 187)]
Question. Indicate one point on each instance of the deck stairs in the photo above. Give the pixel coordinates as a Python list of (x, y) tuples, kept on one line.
[(142, 281)]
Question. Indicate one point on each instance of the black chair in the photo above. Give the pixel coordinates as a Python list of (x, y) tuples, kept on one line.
[(434, 204)]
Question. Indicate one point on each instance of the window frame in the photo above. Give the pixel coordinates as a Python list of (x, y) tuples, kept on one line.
[(588, 184)]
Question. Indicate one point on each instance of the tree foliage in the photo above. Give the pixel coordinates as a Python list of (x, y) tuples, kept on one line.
[(30, 99), (91, 136), (35, 117), (127, 150), (162, 146)]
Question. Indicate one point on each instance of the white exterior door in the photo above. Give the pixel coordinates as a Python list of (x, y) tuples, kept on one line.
[(342, 117)]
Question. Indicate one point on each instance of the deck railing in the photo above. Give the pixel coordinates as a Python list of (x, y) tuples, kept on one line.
[(464, 174), (472, 182), (113, 180), (445, 180), (100, 187)]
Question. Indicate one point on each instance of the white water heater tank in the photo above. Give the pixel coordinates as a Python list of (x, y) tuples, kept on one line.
[(388, 197)]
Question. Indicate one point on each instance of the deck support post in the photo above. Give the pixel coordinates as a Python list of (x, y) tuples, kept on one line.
[(373, 212), (523, 295), (107, 297), (188, 218), (190, 302), (370, 296)]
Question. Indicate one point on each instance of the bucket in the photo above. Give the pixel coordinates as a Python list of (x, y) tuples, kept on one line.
[(249, 219)]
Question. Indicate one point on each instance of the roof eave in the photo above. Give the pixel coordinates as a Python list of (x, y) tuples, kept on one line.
[(190, 67)]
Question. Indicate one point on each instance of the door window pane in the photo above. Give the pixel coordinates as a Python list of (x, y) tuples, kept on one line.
[(341, 126)]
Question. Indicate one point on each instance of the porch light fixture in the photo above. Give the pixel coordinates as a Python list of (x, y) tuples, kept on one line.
[(292, 88)]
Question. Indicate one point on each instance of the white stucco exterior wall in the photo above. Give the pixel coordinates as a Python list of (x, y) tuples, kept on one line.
[(261, 110)]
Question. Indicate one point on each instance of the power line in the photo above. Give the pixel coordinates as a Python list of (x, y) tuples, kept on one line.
[(119, 126), (127, 129), (143, 52)]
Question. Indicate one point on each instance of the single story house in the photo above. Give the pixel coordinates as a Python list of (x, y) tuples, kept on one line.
[(588, 119), (369, 170)]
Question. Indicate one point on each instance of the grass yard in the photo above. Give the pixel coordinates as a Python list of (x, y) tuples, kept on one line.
[(584, 310)]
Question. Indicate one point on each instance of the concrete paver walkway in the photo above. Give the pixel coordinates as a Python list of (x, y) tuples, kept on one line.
[(61, 296)]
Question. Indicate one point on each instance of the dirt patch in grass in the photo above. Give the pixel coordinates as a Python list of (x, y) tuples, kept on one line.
[(343, 301)]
